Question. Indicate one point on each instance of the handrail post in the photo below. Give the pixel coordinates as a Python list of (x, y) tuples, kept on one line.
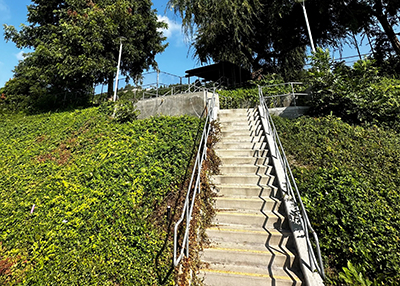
[(293, 95), (187, 227)]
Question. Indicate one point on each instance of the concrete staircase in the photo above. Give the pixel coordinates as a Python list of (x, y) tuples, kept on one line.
[(250, 241)]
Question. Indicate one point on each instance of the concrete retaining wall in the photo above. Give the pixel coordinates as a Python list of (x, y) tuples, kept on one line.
[(290, 111), (175, 105)]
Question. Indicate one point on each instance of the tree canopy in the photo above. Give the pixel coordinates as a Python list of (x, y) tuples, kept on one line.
[(76, 45), (375, 19), (272, 34)]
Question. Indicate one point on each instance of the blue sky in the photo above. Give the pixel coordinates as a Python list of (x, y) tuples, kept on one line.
[(176, 59)]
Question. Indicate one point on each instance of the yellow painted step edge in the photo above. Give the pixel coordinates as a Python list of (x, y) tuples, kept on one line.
[(251, 274), (276, 253), (248, 231), (258, 200), (249, 214)]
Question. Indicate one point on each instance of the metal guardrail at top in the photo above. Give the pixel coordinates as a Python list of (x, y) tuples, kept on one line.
[(173, 90), (181, 247), (291, 93), (293, 192)]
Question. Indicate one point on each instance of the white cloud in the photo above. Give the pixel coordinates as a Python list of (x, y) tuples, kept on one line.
[(20, 56), (5, 13), (174, 28)]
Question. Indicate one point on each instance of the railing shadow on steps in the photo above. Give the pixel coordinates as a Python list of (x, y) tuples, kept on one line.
[(281, 247), (181, 244), (291, 196)]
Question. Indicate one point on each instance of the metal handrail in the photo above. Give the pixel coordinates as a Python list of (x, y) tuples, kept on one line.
[(194, 186), (286, 94), (292, 93), (175, 89), (293, 192)]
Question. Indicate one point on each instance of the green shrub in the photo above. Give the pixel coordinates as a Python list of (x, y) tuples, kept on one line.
[(357, 94), (238, 98), (349, 179), (249, 96)]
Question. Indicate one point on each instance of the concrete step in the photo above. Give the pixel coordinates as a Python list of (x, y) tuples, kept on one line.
[(249, 219), (254, 247), (236, 133), (250, 243), (247, 257), (238, 123), (256, 204), (223, 113), (242, 145), (242, 139), (235, 235), (234, 160), (243, 124), (246, 191), (241, 153), (240, 179), (237, 112), (239, 117), (245, 169), (233, 275), (235, 124)]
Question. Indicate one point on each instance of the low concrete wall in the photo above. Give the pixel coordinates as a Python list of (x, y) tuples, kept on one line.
[(174, 105), (290, 111)]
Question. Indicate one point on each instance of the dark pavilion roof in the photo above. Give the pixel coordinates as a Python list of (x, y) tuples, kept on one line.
[(225, 72)]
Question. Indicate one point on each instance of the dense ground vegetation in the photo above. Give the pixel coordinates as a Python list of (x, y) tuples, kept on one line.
[(361, 94), (347, 169), (84, 198), (248, 96), (349, 179)]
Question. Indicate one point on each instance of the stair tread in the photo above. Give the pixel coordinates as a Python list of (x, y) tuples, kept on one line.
[(244, 212), (248, 241), (254, 274), (252, 230), (250, 271), (249, 199), (248, 248)]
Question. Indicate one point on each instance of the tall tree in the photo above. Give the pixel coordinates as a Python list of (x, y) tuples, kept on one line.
[(272, 34), (379, 18), (76, 43), (267, 34)]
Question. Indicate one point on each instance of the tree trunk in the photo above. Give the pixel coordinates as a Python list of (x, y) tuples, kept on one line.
[(110, 89), (386, 27)]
